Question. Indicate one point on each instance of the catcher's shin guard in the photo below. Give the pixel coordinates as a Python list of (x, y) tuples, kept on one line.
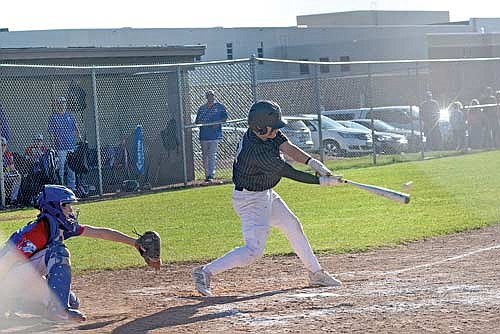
[(74, 301), (59, 273)]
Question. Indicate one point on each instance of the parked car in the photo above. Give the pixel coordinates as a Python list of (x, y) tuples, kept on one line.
[(298, 133), (397, 116), (385, 142), (337, 140), (414, 137)]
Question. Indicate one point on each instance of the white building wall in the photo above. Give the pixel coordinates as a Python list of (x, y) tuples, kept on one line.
[(487, 24), (295, 43)]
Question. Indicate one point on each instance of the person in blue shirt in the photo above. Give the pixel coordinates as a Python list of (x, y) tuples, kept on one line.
[(210, 135), (63, 128)]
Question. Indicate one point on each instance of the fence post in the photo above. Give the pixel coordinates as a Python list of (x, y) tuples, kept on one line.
[(420, 114), (370, 105), (253, 74), (181, 119), (97, 132), (317, 96), (2, 180)]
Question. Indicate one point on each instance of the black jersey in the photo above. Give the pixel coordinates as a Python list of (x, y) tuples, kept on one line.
[(258, 164)]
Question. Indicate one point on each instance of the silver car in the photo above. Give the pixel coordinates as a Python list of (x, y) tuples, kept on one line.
[(337, 140), (298, 133), (414, 137), (385, 142)]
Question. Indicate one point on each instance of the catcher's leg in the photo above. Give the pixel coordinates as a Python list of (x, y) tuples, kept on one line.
[(73, 301), (23, 288), (59, 281)]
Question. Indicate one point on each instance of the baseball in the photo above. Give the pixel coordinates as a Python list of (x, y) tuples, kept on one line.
[(408, 185)]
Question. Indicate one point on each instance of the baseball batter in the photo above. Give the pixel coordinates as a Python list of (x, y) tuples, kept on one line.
[(257, 168), (35, 268)]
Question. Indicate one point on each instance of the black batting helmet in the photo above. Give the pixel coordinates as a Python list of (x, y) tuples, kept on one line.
[(263, 114)]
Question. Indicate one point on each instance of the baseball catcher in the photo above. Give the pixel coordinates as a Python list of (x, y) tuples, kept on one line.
[(35, 267)]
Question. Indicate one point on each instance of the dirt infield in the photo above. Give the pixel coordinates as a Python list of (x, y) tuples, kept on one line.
[(443, 285)]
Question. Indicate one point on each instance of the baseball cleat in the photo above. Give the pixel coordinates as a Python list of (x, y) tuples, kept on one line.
[(66, 315), (323, 278), (201, 280)]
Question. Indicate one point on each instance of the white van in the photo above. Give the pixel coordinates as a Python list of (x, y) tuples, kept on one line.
[(398, 116)]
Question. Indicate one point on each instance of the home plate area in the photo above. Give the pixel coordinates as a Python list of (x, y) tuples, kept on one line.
[(443, 285)]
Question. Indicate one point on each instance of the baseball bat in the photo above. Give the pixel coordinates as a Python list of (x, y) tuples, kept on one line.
[(394, 195)]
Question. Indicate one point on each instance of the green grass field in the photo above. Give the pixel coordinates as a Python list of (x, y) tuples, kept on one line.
[(449, 194)]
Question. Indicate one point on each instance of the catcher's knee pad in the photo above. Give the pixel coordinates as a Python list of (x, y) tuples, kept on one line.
[(59, 273)]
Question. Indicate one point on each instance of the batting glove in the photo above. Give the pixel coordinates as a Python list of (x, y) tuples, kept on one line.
[(330, 181), (319, 167)]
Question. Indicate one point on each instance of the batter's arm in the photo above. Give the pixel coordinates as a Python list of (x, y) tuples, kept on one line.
[(294, 152), (289, 172), (300, 156)]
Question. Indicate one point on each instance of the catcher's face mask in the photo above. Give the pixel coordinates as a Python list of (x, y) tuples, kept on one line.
[(67, 209)]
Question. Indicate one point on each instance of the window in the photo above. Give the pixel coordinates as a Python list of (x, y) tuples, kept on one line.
[(324, 68), (197, 58), (345, 68), (304, 68), (229, 51)]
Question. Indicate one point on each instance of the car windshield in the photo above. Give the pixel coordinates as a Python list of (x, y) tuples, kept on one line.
[(382, 126), (294, 125), (354, 125), (328, 123)]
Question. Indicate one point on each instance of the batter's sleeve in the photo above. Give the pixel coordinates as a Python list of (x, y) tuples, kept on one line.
[(291, 173)]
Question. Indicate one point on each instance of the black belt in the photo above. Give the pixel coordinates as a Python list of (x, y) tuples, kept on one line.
[(241, 189)]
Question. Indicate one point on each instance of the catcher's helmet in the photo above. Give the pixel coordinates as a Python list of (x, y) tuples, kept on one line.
[(52, 197), (263, 114)]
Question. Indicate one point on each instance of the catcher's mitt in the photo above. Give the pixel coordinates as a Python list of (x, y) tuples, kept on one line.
[(149, 246)]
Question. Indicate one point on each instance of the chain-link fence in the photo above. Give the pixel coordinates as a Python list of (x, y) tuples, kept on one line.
[(109, 129)]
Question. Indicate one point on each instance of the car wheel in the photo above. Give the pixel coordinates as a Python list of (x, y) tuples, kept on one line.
[(332, 148)]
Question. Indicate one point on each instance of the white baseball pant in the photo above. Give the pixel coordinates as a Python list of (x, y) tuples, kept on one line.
[(258, 211)]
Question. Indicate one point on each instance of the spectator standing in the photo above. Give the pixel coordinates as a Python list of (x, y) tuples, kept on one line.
[(210, 135), (430, 114), (11, 175), (474, 123), (63, 128), (458, 125), (4, 124), (490, 119)]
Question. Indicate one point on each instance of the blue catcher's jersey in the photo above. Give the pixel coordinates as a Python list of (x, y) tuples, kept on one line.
[(40, 233)]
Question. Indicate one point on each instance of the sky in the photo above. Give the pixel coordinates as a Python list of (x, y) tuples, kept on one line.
[(17, 15)]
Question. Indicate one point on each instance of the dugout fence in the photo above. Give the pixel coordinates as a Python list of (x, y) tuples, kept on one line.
[(109, 104)]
